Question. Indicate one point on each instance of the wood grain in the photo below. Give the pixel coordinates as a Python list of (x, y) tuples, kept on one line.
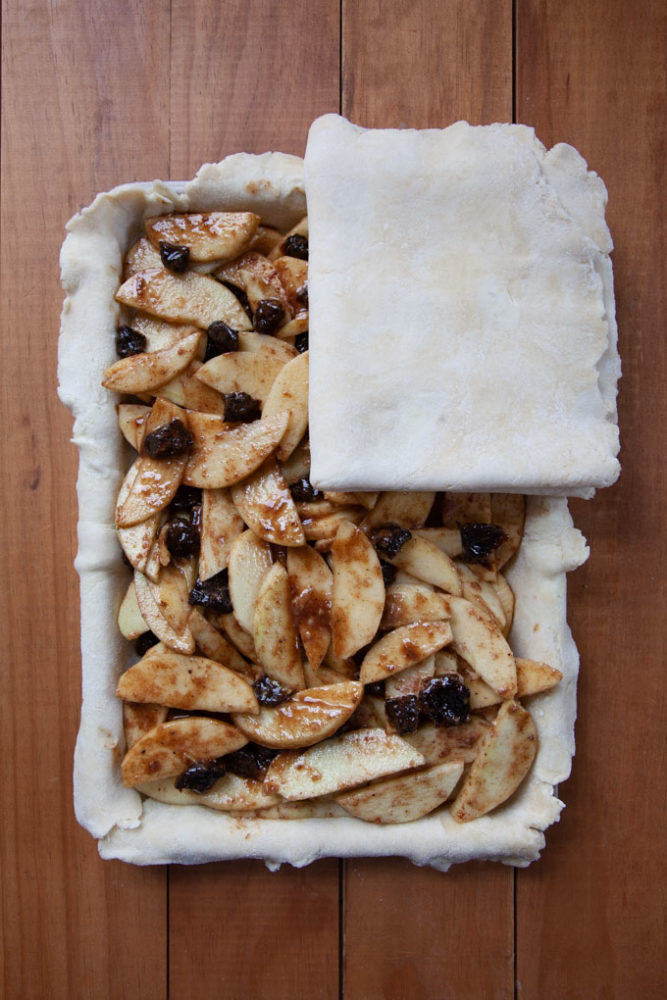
[(252, 76), (260, 933), (249, 76), (72, 927), (426, 65), (590, 914)]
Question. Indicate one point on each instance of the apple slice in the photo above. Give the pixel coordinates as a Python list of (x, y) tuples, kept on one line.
[(266, 505), (187, 391), (300, 229), (208, 235), (241, 639), (171, 592), (223, 456), (141, 257), (427, 562), (156, 479), (509, 511), (188, 298), (221, 524), (253, 372), (410, 510), (406, 604), (188, 682), (137, 541), (438, 743), (334, 765), (268, 344), (405, 798), (131, 422), (448, 540), (403, 648), (315, 809), (249, 562), (265, 239), (212, 644), (306, 718), (344, 499), (229, 792), (173, 747), (145, 372), (532, 677), (298, 324), (482, 593), (180, 642), (256, 275), (358, 591), (504, 757), (130, 623), (479, 640), (274, 630), (506, 598), (140, 719), (409, 681), (297, 466), (465, 508), (293, 275), (160, 334), (324, 529), (311, 583), (289, 393)]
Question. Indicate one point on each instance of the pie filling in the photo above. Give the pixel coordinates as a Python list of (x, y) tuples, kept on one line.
[(299, 652)]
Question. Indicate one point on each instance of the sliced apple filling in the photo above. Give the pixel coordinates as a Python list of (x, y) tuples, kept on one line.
[(300, 653)]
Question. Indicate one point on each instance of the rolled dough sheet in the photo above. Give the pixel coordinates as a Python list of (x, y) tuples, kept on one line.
[(462, 327)]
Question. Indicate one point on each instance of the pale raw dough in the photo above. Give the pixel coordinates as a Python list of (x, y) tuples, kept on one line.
[(149, 832), (462, 315)]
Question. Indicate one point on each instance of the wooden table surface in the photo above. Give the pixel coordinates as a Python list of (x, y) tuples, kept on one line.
[(96, 93)]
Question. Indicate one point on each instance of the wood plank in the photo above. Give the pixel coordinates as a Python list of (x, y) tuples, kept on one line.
[(261, 933), (414, 932), (249, 76), (73, 925), (589, 915), (408, 931), (252, 76), (427, 64)]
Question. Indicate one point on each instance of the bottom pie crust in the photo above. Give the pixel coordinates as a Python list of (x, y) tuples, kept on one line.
[(149, 832)]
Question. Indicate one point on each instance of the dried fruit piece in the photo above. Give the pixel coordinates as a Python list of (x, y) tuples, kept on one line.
[(403, 713), (168, 440), (174, 257), (389, 539), (240, 407), (445, 700), (129, 341), (296, 246), (269, 691), (213, 593), (480, 540)]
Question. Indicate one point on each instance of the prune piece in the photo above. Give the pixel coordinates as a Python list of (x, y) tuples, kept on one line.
[(174, 257), (390, 538), (269, 692), (301, 342), (302, 294), (376, 689), (240, 407), (170, 439), (144, 643), (388, 573), (296, 246), (221, 340), (303, 491), (186, 497), (129, 341), (182, 538), (403, 713), (202, 776), (212, 593), (480, 540), (251, 761), (268, 316), (445, 700)]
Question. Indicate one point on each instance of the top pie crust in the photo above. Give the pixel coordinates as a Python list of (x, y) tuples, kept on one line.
[(149, 832), (468, 270)]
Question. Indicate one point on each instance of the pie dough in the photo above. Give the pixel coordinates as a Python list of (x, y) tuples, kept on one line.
[(463, 334), (150, 832)]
